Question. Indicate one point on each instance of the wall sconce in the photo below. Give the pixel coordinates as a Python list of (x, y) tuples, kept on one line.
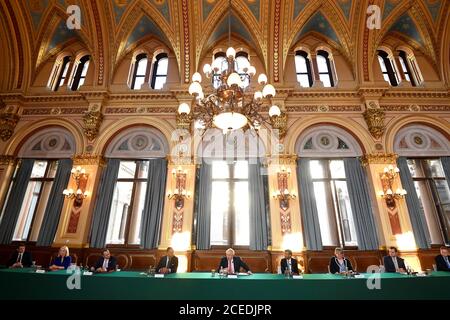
[(80, 177), (179, 193), (387, 178), (282, 193)]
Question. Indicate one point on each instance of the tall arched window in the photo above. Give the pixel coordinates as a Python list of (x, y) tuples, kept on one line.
[(45, 161), (135, 151), (80, 73), (303, 69), (325, 150), (139, 72), (426, 151), (59, 75), (405, 67), (242, 66), (410, 68), (219, 65), (324, 68), (160, 68), (387, 68)]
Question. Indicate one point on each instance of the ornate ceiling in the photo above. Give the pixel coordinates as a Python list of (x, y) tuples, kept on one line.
[(36, 31)]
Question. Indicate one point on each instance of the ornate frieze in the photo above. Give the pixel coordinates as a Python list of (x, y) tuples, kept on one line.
[(375, 121), (86, 159), (53, 111), (7, 160), (92, 121), (324, 108), (8, 122), (379, 158)]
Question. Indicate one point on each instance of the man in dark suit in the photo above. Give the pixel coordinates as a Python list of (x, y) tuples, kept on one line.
[(339, 263), (443, 260), (106, 263), (288, 263), (20, 258), (168, 263), (232, 264), (393, 263)]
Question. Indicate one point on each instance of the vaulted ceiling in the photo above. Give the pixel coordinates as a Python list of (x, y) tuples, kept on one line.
[(36, 31)]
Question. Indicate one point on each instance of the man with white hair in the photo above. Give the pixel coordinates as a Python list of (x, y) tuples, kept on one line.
[(232, 264)]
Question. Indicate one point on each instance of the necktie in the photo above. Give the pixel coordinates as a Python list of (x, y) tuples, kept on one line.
[(230, 268), (167, 262), (289, 265), (19, 258), (394, 259), (105, 264), (447, 262)]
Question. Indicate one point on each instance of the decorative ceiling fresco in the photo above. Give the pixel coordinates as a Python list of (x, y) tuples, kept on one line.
[(191, 28)]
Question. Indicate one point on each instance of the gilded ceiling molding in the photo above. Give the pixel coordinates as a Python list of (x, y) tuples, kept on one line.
[(425, 27), (276, 41), (324, 108), (140, 110), (187, 47), (100, 45), (374, 117), (339, 23), (53, 111), (92, 121), (379, 158), (18, 40), (416, 108), (6, 160), (87, 159)]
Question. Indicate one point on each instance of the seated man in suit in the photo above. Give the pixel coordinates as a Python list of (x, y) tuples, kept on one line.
[(168, 263), (393, 263), (20, 258), (106, 263), (339, 264), (232, 264), (443, 260), (289, 264)]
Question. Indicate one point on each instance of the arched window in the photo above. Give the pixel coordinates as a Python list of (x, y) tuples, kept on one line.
[(324, 68), (425, 150), (80, 73), (134, 148), (59, 75), (410, 68), (242, 66), (160, 68), (219, 65), (327, 147), (303, 69), (139, 72), (47, 155), (387, 68)]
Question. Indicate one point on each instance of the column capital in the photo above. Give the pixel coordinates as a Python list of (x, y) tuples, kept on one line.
[(86, 159), (282, 159), (379, 158), (7, 160)]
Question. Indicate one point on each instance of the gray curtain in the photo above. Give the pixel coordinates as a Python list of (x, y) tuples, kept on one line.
[(54, 204), (103, 203), (154, 203), (446, 166), (257, 208), (203, 207), (308, 207), (361, 204), (14, 203), (416, 213)]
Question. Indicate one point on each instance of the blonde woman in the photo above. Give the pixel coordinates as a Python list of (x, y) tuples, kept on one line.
[(62, 261)]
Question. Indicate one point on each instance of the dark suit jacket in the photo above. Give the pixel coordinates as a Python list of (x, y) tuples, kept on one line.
[(389, 264), (294, 265), (173, 264), (440, 263), (27, 259), (112, 263), (237, 263), (334, 265)]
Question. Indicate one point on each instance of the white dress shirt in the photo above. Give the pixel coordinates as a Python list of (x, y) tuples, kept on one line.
[(105, 264)]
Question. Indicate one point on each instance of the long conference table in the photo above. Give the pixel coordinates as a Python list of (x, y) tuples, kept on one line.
[(123, 285)]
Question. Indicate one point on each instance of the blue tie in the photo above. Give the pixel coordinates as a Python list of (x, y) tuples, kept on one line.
[(447, 262)]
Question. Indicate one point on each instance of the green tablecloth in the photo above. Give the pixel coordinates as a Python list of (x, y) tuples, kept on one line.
[(25, 284)]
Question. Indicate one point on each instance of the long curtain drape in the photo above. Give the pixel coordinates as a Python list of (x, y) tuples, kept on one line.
[(154, 203), (103, 204), (55, 203), (15, 201), (257, 208), (446, 166), (416, 214), (203, 206), (308, 208), (361, 204)]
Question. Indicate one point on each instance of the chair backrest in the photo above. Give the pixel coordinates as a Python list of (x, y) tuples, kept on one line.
[(328, 266)]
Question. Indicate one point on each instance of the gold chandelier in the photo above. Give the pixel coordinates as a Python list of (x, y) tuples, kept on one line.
[(232, 105)]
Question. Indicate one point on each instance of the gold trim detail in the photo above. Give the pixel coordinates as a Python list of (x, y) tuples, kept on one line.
[(379, 158), (8, 122), (89, 160)]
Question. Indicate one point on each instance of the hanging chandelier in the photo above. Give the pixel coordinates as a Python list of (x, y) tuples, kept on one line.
[(232, 105)]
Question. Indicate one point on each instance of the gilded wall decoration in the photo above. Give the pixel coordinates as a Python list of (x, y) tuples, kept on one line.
[(375, 121), (8, 122), (92, 121), (379, 158)]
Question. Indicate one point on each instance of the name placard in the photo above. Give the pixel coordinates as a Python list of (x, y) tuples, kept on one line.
[(159, 275), (232, 276), (359, 276), (87, 273), (40, 271), (295, 276)]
